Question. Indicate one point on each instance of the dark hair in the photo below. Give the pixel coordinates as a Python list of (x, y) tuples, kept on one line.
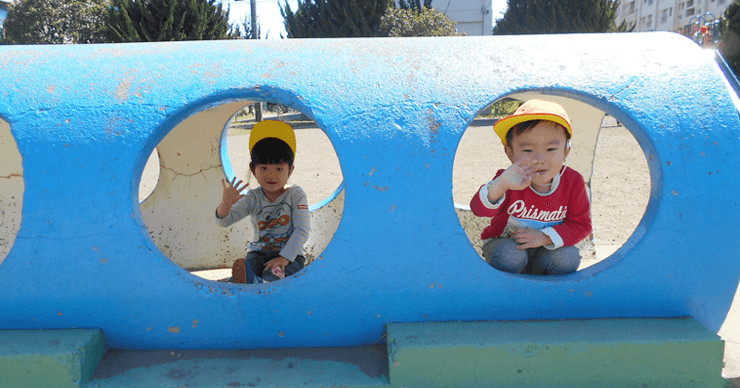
[(271, 150), (526, 126)]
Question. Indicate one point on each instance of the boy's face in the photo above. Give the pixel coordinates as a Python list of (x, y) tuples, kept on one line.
[(272, 177), (546, 145)]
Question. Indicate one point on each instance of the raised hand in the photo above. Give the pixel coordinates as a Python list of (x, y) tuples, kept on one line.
[(519, 175), (231, 194)]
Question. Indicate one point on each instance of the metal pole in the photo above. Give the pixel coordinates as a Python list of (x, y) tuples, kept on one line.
[(255, 35), (255, 26)]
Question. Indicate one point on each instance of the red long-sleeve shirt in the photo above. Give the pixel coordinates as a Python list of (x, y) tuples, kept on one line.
[(563, 214)]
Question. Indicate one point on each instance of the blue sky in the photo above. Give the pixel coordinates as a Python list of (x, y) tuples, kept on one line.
[(271, 22)]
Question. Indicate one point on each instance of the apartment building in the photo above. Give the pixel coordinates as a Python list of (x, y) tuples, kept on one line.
[(682, 16)]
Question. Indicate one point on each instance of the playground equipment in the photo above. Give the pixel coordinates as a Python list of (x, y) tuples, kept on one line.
[(78, 123), (703, 29)]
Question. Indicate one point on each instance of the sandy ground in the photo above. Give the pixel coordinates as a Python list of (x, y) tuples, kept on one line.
[(620, 171)]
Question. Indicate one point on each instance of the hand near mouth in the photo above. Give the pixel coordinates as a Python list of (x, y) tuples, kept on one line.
[(519, 175)]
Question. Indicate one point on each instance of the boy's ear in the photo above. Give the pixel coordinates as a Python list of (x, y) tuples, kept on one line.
[(509, 153), (567, 148), (291, 170)]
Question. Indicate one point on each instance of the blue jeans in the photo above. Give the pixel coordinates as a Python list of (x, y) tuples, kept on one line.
[(256, 261), (502, 253)]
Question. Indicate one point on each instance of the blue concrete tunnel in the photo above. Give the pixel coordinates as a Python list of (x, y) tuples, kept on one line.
[(79, 122)]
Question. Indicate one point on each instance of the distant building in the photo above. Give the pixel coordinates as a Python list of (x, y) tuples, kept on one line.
[(683, 16), (473, 17), (4, 6)]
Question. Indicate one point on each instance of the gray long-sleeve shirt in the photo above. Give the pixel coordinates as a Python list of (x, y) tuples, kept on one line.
[(282, 225)]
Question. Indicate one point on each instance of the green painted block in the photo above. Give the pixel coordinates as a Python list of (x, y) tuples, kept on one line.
[(49, 358), (570, 353)]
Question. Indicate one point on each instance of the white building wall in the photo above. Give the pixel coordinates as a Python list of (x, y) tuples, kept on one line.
[(474, 17)]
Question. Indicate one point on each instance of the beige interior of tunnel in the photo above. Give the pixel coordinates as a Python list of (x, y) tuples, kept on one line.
[(615, 170), (179, 212), (11, 189)]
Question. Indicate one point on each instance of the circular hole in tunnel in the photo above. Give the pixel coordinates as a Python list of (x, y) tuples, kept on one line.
[(604, 152), (181, 185), (11, 195)]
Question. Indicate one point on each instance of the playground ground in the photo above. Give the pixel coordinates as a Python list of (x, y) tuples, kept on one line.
[(620, 171)]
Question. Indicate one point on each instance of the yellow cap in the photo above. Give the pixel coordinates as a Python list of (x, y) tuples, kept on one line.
[(533, 110), (272, 128)]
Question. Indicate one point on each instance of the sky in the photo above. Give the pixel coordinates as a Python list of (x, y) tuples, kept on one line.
[(271, 21)]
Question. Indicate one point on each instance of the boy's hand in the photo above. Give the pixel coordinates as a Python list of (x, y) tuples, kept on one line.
[(232, 193), (519, 175), (277, 266), (516, 177), (531, 238)]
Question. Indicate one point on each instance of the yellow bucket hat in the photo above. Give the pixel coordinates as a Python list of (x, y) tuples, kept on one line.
[(272, 128), (533, 110)]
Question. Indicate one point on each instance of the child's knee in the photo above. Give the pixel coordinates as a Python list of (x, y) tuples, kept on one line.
[(559, 261), (504, 255), (238, 271)]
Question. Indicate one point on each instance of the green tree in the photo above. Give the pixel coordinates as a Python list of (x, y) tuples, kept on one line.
[(54, 21), (168, 20), (414, 5), (558, 16), (730, 26), (425, 22), (333, 18)]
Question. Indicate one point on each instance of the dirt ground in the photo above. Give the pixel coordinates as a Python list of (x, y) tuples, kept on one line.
[(620, 171)]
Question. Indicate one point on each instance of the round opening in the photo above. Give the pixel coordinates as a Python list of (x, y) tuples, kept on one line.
[(181, 185), (11, 195), (604, 152)]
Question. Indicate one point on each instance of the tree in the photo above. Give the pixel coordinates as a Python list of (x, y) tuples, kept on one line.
[(558, 16), (54, 21), (730, 46), (414, 5), (425, 22), (333, 18), (167, 20)]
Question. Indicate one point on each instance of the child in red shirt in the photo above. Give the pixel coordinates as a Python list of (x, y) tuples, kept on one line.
[(539, 206)]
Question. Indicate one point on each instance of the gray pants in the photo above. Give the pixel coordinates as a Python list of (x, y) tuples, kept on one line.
[(503, 254)]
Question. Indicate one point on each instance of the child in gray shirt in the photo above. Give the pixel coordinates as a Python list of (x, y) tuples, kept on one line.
[(279, 213)]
